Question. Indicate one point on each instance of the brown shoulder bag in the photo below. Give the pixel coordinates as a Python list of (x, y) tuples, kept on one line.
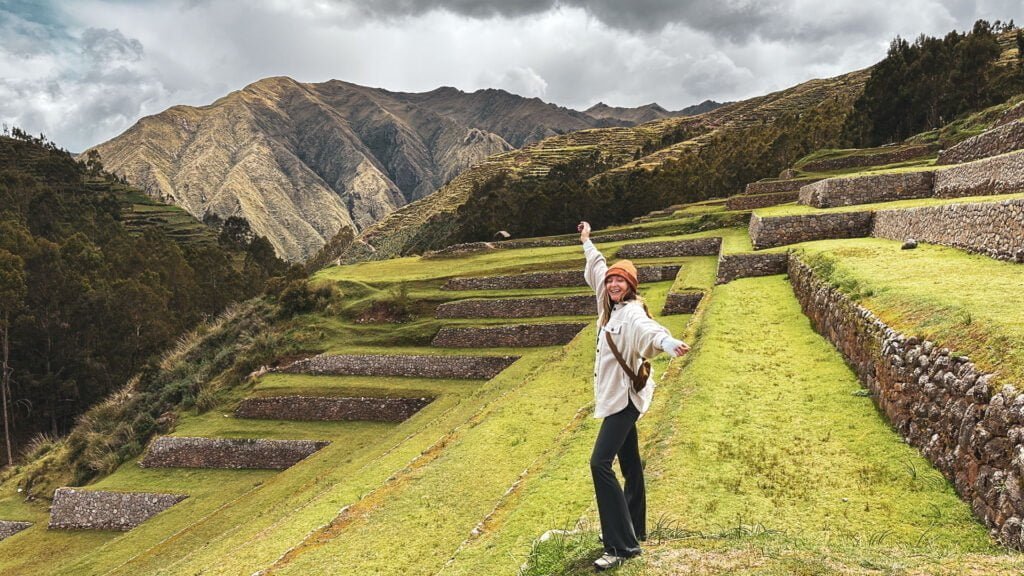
[(639, 379)]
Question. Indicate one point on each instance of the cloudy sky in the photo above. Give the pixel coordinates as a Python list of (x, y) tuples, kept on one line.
[(82, 71)]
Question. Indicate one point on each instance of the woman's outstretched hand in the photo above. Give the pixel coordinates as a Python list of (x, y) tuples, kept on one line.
[(584, 229)]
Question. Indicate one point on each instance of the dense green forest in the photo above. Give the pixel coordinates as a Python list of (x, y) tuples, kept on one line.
[(87, 298), (926, 84)]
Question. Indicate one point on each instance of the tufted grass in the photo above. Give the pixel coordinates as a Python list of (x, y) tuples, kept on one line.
[(966, 302)]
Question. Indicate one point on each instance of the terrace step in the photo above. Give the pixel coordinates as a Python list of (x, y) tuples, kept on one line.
[(996, 175), (514, 336), (333, 409), (692, 247), (579, 305), (753, 201), (681, 303), (9, 528), (995, 229), (1000, 140), (556, 279), (412, 365), (868, 189), (457, 250), (776, 186), (773, 231), (232, 453), (733, 266), (863, 159), (75, 509)]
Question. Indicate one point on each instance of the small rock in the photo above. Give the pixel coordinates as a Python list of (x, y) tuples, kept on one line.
[(910, 244)]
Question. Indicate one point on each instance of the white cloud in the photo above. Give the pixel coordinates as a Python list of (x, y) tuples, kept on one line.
[(84, 71)]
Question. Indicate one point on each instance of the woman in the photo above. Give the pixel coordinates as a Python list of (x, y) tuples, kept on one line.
[(625, 329)]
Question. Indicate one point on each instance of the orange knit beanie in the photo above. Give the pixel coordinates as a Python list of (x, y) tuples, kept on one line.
[(626, 269)]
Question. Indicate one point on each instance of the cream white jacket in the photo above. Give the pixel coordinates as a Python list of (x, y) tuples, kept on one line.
[(635, 335)]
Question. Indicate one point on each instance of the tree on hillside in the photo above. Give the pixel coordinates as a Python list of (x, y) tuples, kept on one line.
[(12, 294)]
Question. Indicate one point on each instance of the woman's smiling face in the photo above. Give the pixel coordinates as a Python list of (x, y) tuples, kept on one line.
[(616, 286)]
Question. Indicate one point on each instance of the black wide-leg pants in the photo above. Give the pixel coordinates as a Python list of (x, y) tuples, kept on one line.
[(623, 514)]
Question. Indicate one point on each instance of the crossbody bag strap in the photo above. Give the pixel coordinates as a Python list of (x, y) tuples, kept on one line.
[(618, 356)]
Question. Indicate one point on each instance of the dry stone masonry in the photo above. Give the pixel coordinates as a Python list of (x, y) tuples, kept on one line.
[(75, 509), (458, 250), (996, 175), (557, 279), (691, 247), (867, 189), (750, 202), (776, 186), (9, 528), (581, 305), (995, 229), (881, 157), (232, 453), (733, 266), (514, 336), (682, 303), (414, 366), (940, 403), (1000, 140), (783, 230), (331, 409)]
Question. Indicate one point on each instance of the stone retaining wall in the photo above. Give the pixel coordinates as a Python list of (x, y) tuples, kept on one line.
[(331, 409), (9, 528), (997, 175), (414, 366), (1012, 115), (941, 404), (581, 305), (557, 279), (75, 509), (776, 186), (233, 453), (750, 202), (867, 189), (518, 335), (879, 158), (682, 303), (733, 266), (691, 247), (783, 230), (456, 250), (1000, 140), (992, 228)]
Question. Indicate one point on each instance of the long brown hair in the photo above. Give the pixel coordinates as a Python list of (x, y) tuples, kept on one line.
[(606, 307)]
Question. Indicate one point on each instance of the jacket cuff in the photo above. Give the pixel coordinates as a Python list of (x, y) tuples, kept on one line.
[(669, 344)]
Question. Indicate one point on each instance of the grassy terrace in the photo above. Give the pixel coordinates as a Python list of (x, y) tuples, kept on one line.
[(793, 209), (969, 303), (764, 459)]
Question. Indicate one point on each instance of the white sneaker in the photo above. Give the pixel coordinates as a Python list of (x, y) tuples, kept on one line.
[(607, 561)]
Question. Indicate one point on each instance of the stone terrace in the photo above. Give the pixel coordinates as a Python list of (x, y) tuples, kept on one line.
[(9, 528), (776, 186), (75, 509), (867, 189), (879, 157), (996, 175), (556, 279), (232, 453), (691, 247), (682, 303), (783, 230), (733, 266), (331, 409), (992, 228), (750, 202), (514, 336), (1000, 140), (417, 366), (581, 305)]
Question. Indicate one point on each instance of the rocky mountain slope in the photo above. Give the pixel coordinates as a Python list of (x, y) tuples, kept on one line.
[(301, 161), (647, 112), (433, 222)]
